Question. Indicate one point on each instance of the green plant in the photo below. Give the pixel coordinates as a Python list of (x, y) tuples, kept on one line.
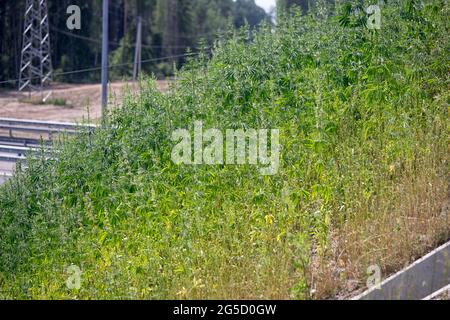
[(364, 128)]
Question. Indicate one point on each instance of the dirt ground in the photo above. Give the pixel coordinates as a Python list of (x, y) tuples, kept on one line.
[(80, 101)]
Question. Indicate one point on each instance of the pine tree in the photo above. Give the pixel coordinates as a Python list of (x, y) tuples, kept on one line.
[(285, 5)]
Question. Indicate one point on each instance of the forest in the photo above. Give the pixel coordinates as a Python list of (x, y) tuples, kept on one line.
[(170, 27)]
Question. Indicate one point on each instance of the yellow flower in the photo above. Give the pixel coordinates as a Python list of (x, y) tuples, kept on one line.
[(269, 219)]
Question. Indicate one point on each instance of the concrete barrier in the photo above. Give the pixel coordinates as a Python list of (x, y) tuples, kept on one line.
[(418, 281)]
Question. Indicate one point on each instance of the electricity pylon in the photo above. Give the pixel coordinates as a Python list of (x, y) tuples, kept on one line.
[(36, 63)]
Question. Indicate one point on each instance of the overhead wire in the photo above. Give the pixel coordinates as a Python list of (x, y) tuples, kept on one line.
[(111, 66), (99, 41)]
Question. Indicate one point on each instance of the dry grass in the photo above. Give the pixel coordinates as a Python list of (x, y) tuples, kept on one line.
[(403, 223)]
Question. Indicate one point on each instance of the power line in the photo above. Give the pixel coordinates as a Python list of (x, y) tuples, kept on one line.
[(99, 41), (113, 42), (113, 66), (144, 21)]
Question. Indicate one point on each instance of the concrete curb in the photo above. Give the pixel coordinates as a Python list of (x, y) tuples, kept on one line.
[(438, 293), (418, 281)]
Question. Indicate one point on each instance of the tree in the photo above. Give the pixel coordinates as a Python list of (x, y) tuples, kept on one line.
[(285, 5), (169, 28), (248, 11)]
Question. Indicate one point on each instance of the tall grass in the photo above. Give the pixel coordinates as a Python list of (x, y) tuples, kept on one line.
[(364, 134)]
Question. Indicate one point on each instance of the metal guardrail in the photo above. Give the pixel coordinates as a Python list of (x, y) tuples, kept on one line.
[(14, 153), (41, 126), (17, 141), (13, 148), (12, 158)]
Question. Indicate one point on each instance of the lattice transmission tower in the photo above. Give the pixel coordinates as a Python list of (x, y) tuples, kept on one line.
[(36, 63)]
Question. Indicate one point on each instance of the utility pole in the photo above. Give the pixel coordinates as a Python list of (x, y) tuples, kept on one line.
[(105, 57), (125, 16), (138, 50), (36, 63)]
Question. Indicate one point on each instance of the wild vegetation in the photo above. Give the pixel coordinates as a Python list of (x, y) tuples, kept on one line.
[(363, 118)]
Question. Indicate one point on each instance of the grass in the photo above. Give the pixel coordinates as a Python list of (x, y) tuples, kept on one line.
[(53, 101), (364, 173), (58, 102)]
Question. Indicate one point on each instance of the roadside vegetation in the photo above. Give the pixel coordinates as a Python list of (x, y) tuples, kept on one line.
[(61, 102), (364, 175)]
